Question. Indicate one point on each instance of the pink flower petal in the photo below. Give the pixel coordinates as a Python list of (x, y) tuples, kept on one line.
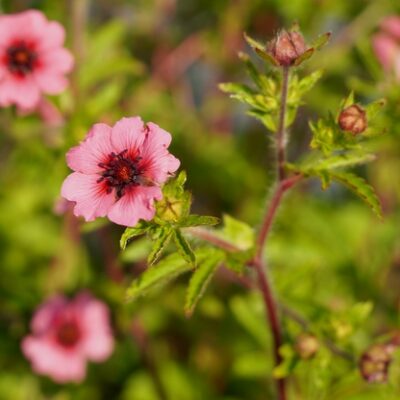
[(21, 91), (98, 342), (56, 61), (137, 203), (157, 162), (391, 25), (53, 35), (50, 83), (44, 316), (93, 150), (385, 49), (128, 134), (91, 198), (49, 359)]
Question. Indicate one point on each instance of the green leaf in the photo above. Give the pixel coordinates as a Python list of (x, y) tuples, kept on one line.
[(196, 220), (164, 235), (139, 229), (374, 108), (184, 248), (254, 44), (348, 101), (237, 232), (361, 188), (305, 56), (252, 70), (308, 82), (349, 159), (160, 274), (201, 278), (260, 50), (321, 40)]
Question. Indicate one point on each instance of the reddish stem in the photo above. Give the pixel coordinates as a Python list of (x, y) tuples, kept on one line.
[(282, 187)]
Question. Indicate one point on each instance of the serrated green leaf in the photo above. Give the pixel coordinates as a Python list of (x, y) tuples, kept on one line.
[(349, 159), (196, 220), (160, 274), (184, 248), (164, 235), (201, 278), (361, 188), (139, 229)]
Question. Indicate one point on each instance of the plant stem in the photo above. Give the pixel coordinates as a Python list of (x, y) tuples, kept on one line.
[(281, 188), (280, 134), (283, 184)]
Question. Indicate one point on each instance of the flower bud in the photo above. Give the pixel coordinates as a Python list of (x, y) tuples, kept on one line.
[(353, 119), (374, 363), (306, 346), (287, 47)]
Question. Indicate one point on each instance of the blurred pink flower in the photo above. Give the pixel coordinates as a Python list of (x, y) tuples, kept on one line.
[(32, 59), (386, 45), (119, 170), (65, 334)]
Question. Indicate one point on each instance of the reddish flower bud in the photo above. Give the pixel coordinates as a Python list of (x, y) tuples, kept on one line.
[(287, 47), (374, 363), (306, 346), (353, 119)]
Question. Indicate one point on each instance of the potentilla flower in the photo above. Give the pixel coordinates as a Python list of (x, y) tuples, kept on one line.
[(119, 170), (66, 334), (32, 58), (386, 45)]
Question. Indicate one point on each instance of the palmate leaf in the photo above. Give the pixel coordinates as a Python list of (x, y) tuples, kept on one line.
[(160, 274), (361, 188), (183, 247), (202, 277)]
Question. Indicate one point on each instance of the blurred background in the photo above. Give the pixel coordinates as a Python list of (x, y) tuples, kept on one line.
[(331, 259)]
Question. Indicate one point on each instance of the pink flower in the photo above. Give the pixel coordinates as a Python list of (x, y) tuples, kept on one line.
[(119, 170), (65, 334), (386, 45), (32, 59)]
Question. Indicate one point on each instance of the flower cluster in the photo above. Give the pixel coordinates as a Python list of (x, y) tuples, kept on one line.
[(65, 334)]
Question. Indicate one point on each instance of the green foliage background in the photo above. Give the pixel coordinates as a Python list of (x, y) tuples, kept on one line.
[(331, 259)]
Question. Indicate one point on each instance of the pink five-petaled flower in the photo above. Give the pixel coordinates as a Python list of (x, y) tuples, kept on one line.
[(32, 59), (65, 334), (386, 44), (119, 170)]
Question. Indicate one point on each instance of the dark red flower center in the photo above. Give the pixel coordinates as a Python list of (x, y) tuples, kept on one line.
[(21, 59), (120, 172), (68, 333)]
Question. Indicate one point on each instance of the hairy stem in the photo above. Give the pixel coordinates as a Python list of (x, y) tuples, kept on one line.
[(280, 134)]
